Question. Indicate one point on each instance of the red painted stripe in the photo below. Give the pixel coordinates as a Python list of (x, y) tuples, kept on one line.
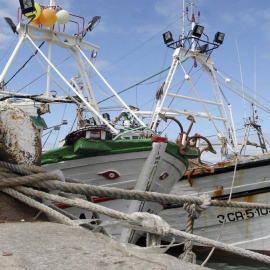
[(103, 199), (159, 139)]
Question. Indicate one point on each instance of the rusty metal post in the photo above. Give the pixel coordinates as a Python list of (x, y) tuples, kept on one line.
[(19, 138)]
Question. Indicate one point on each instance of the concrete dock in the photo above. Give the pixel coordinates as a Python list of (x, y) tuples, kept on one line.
[(46, 245)]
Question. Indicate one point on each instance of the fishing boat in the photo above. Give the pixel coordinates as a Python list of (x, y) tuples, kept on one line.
[(238, 177), (132, 156)]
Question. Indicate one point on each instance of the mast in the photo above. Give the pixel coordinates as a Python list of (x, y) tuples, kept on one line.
[(198, 50), (48, 88), (192, 26), (242, 81), (183, 26), (75, 43), (255, 86)]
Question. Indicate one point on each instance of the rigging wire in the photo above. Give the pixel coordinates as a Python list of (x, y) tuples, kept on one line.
[(37, 78), (124, 56), (50, 132), (61, 122), (23, 66), (134, 85), (104, 92), (258, 104), (159, 79), (242, 82), (8, 48), (263, 97), (55, 81)]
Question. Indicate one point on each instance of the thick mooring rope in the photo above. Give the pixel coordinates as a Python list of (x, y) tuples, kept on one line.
[(144, 221), (40, 206)]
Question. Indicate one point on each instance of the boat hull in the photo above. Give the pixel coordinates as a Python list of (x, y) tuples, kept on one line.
[(154, 170), (245, 228)]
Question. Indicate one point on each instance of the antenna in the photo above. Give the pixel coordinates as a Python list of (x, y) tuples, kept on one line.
[(242, 82), (255, 84), (183, 26)]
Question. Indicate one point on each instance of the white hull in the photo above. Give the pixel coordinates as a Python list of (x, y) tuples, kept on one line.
[(129, 167), (245, 228)]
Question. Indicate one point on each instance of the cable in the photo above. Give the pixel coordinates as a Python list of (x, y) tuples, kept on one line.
[(8, 49), (61, 122), (42, 75), (124, 56), (263, 97), (122, 91), (24, 63)]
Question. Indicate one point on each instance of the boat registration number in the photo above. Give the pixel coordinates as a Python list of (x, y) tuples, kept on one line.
[(240, 215)]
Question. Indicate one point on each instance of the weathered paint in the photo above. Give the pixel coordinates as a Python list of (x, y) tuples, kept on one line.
[(19, 138), (218, 191)]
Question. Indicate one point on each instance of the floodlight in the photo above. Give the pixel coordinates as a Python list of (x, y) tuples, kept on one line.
[(203, 48), (11, 24), (27, 6), (219, 37), (197, 30), (64, 122), (167, 37), (93, 23)]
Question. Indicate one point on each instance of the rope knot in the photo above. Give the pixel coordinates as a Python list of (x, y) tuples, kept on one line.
[(224, 148), (150, 222), (194, 210)]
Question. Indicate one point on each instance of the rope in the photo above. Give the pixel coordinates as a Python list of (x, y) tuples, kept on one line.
[(189, 255), (31, 202), (194, 212), (143, 221), (224, 148), (76, 202), (118, 193), (23, 180), (73, 186), (15, 168), (226, 211), (219, 245)]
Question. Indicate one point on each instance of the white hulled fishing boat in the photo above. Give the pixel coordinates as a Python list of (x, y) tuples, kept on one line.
[(130, 157), (241, 178)]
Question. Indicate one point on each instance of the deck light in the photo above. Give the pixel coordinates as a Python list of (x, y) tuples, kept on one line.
[(93, 23), (203, 48), (197, 30), (11, 24), (219, 37), (167, 37), (27, 6)]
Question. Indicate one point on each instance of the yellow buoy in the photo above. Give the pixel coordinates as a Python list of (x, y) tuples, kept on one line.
[(47, 17), (35, 14)]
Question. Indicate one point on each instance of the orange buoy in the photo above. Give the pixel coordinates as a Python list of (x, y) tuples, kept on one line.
[(36, 22), (47, 17)]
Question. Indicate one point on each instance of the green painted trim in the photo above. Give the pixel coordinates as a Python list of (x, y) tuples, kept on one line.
[(38, 121), (85, 148)]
